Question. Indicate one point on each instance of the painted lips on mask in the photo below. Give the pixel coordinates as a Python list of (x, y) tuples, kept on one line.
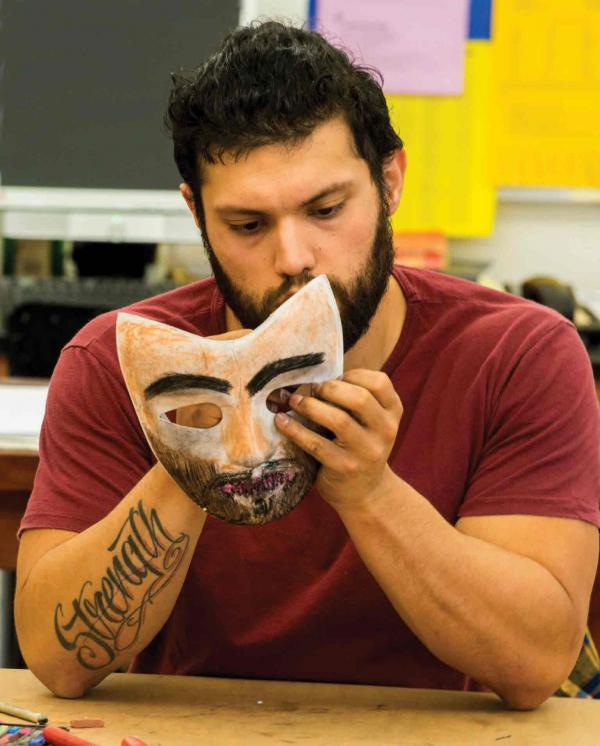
[(258, 491)]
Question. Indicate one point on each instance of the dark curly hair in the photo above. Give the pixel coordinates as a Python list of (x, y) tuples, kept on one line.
[(269, 83)]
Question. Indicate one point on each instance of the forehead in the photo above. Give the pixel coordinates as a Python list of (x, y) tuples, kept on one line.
[(232, 360), (308, 323), (274, 173)]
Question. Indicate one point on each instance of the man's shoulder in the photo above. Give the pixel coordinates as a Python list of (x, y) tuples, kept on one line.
[(454, 300), (196, 307)]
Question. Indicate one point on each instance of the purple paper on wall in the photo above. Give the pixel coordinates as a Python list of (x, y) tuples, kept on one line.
[(418, 45)]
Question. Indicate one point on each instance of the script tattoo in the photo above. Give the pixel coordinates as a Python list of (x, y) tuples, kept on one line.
[(108, 620)]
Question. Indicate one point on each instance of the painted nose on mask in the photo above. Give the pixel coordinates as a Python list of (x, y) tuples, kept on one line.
[(246, 442)]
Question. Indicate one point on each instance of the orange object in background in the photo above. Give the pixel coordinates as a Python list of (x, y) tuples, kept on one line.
[(416, 249)]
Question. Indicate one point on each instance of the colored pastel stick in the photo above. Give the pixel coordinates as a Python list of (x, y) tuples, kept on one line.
[(20, 712), (60, 737)]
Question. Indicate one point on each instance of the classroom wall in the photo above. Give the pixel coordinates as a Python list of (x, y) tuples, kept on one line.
[(553, 239), (529, 238)]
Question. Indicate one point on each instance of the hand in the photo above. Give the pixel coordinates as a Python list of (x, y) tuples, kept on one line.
[(363, 412), (206, 415)]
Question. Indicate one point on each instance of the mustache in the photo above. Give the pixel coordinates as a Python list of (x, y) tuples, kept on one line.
[(274, 297), (271, 474)]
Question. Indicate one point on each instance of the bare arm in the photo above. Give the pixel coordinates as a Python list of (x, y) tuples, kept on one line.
[(503, 599), (86, 603)]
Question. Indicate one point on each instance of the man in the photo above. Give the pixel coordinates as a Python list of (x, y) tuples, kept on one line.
[(451, 540)]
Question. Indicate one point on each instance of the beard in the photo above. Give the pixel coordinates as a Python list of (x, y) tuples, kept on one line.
[(357, 301), (239, 497)]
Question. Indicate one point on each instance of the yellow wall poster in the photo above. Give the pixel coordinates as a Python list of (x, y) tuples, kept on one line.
[(448, 186), (547, 93)]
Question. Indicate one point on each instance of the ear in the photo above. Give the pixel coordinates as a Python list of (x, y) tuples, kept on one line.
[(188, 196), (394, 169)]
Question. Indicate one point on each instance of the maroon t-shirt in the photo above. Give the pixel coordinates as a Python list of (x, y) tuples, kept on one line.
[(500, 417)]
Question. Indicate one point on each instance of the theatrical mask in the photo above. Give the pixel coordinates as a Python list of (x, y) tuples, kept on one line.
[(239, 467)]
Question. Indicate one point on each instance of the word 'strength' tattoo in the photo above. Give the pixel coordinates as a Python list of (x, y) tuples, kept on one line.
[(108, 621)]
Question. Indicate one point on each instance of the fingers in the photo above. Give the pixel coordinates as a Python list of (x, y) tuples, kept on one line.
[(379, 386), (353, 413), (323, 450), (367, 395), (347, 430)]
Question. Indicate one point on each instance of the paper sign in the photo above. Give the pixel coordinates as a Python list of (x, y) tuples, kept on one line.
[(418, 45), (547, 93), (448, 186), (22, 409)]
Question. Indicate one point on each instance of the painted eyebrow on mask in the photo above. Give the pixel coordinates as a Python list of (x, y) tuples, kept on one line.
[(276, 368), (179, 381)]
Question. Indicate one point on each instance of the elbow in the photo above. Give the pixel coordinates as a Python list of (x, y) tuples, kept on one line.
[(61, 684), (59, 679), (525, 699), (67, 690), (528, 687), (527, 693)]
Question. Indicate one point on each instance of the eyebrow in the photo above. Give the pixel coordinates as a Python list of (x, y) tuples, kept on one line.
[(179, 381), (332, 189), (276, 368)]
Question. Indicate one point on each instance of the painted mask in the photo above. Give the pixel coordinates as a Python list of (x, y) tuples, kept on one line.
[(241, 469)]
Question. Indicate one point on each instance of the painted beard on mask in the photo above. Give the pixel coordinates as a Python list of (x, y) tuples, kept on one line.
[(251, 496), (240, 468)]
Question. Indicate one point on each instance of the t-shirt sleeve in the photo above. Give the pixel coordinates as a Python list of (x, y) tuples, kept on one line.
[(92, 448), (542, 449)]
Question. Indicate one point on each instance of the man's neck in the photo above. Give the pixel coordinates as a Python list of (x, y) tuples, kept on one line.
[(376, 345)]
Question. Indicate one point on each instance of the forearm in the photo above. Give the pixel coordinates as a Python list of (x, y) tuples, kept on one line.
[(499, 617), (92, 602)]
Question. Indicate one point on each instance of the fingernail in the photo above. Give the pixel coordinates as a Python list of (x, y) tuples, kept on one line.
[(314, 388), (295, 399), (284, 395), (282, 418)]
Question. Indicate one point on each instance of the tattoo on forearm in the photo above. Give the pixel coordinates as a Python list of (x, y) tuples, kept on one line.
[(107, 621)]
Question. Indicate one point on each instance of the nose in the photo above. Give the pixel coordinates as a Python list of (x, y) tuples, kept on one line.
[(292, 251), (244, 438)]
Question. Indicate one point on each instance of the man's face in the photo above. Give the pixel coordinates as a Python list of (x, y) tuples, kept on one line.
[(283, 214)]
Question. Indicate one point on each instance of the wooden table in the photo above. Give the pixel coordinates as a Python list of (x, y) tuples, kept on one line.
[(191, 711)]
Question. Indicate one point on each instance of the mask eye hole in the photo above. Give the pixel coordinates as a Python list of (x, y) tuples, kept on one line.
[(201, 416), (277, 401)]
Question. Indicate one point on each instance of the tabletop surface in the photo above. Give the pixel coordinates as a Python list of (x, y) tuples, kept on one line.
[(191, 711)]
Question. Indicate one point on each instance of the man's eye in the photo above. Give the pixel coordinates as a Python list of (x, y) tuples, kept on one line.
[(251, 227), (328, 212)]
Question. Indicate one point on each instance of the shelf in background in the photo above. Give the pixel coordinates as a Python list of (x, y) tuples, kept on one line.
[(549, 195), (157, 216), (119, 215)]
